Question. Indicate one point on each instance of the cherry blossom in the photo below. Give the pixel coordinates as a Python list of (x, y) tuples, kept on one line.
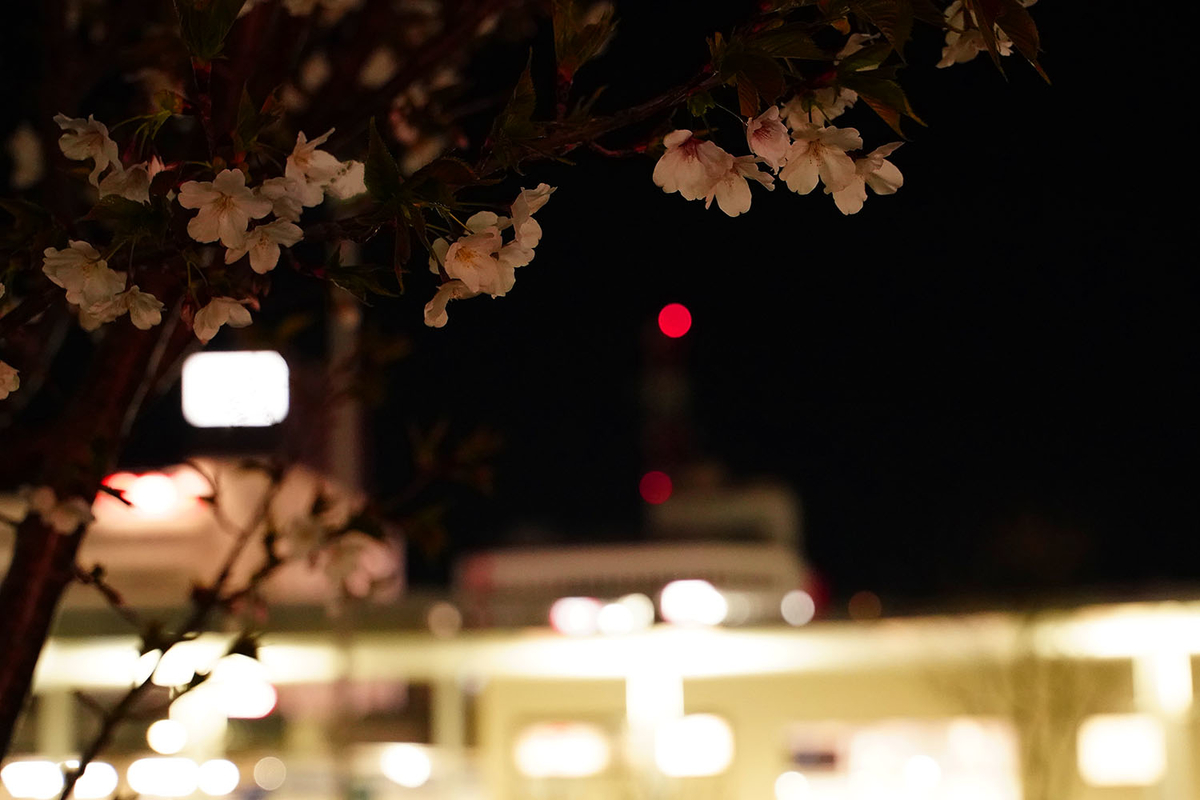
[(94, 315), (964, 43), (872, 170), (309, 164), (10, 379), (262, 243), (820, 107), (732, 190), (358, 563), (768, 138), (529, 201), (225, 205), (83, 273), (87, 138), (435, 309), (132, 184), (289, 197), (473, 260), (690, 166), (820, 153), (145, 310), (219, 311), (350, 181)]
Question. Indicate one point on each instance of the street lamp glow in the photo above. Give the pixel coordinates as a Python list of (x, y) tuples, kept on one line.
[(240, 389)]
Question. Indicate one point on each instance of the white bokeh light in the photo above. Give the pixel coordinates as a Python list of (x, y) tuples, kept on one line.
[(270, 773), (575, 616), (798, 607), (791, 786), (219, 777), (239, 389), (36, 780), (163, 777), (99, 780), (562, 750), (692, 602), (694, 746), (167, 737), (1121, 750), (406, 764)]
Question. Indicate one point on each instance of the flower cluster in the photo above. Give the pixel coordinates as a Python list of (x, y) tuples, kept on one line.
[(97, 290), (480, 261), (808, 153), (226, 205), (87, 139), (963, 43)]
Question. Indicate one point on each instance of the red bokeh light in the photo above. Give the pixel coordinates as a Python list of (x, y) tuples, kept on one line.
[(674, 320), (655, 487)]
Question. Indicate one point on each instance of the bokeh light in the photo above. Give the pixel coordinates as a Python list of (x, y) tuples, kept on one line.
[(674, 320), (561, 750), (865, 605), (38, 780), (575, 616), (798, 607), (99, 780), (219, 777), (655, 487), (694, 746), (270, 773), (444, 620), (167, 737), (163, 777), (791, 786), (153, 495), (406, 764), (692, 602)]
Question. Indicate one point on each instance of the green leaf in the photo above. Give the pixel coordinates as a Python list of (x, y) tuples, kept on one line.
[(928, 12), (130, 220), (204, 25), (759, 77), (253, 120), (790, 41), (1016, 22), (514, 127), (700, 103), (893, 18), (883, 95), (29, 219), (576, 39), (381, 174), (869, 57)]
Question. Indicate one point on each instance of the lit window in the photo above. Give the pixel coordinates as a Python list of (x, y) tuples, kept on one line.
[(241, 389)]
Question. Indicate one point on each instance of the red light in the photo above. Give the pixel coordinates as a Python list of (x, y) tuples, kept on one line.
[(655, 487), (674, 320)]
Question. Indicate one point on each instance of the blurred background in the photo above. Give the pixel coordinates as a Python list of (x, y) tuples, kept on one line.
[(790, 505)]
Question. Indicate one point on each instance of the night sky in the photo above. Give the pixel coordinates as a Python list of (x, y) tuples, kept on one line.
[(982, 387)]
